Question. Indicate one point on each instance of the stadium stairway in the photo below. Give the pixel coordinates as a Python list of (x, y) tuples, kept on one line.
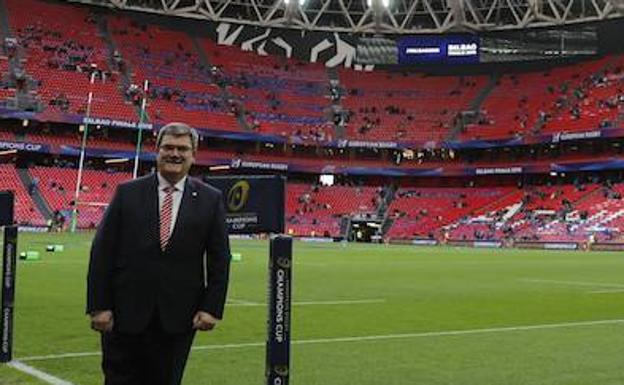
[(26, 98), (510, 198), (345, 226), (15, 60), (334, 80), (589, 195), (475, 105), (388, 197), (40, 202), (4, 22), (225, 94), (390, 194), (200, 51), (102, 23), (386, 225)]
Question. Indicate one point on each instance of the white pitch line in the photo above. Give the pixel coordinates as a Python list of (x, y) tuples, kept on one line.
[(234, 301), (368, 338), (338, 302), (59, 356), (607, 291), (231, 346), (239, 303), (574, 283), (460, 332), (43, 376)]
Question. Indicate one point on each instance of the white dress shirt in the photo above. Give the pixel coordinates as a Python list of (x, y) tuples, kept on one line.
[(177, 198)]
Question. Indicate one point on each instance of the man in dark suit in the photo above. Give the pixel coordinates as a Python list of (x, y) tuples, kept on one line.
[(159, 267)]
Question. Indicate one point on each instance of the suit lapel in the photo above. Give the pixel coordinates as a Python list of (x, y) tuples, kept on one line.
[(150, 195), (185, 213)]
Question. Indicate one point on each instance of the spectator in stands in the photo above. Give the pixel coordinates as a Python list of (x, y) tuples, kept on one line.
[(57, 223), (133, 92), (146, 290), (32, 186), (61, 101), (10, 46), (19, 76)]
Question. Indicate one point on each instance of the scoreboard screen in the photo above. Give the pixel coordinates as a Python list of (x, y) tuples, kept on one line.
[(442, 49), (461, 49)]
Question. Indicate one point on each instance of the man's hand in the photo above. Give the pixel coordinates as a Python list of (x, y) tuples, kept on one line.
[(204, 321), (102, 321)]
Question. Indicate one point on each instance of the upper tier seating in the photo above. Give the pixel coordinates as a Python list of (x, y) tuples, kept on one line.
[(281, 96), (61, 43), (582, 97), (402, 107), (181, 88)]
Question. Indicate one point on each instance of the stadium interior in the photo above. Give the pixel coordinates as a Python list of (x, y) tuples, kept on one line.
[(453, 178), (516, 154)]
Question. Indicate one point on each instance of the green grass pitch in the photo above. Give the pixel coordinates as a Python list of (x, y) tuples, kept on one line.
[(364, 315)]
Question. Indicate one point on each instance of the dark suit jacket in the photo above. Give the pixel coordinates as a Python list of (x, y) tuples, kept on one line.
[(130, 275)]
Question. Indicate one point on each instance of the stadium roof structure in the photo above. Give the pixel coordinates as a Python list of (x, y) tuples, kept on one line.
[(383, 16)]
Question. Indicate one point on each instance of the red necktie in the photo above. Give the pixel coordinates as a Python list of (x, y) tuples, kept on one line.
[(165, 217)]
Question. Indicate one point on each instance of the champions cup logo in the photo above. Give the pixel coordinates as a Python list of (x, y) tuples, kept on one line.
[(284, 263), (281, 370), (238, 195)]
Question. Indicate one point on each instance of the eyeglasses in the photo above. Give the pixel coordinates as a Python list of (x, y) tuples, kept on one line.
[(169, 148)]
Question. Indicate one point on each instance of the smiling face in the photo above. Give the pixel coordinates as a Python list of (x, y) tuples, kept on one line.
[(175, 157)]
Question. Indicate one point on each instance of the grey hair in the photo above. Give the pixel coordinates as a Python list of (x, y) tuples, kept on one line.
[(178, 129)]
